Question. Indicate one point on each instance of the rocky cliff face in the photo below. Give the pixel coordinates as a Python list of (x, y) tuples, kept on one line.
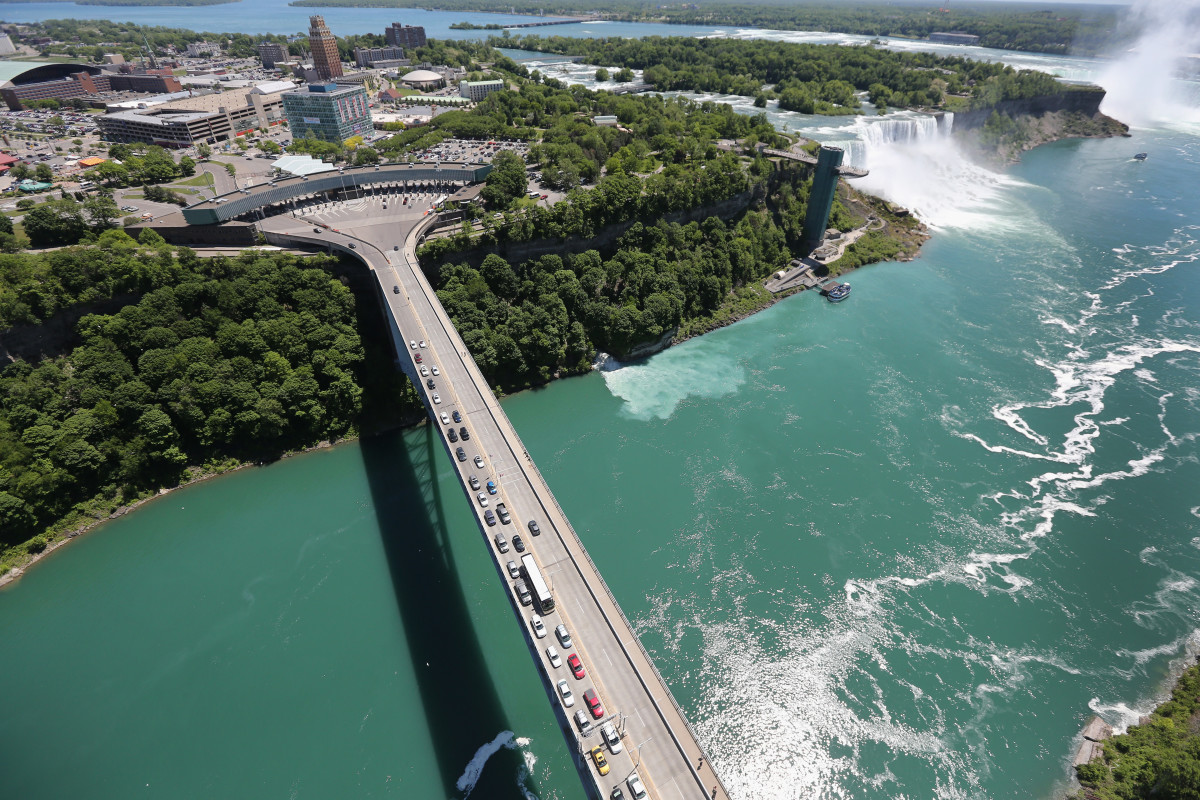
[(1083, 101), (1001, 132)]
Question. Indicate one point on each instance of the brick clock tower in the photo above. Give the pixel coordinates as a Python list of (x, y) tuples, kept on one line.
[(324, 49)]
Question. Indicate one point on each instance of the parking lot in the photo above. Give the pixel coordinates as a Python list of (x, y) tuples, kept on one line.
[(472, 151)]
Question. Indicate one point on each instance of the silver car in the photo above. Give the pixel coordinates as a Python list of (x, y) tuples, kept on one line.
[(564, 637), (568, 699)]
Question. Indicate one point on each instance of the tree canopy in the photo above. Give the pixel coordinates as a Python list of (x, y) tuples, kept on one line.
[(234, 357)]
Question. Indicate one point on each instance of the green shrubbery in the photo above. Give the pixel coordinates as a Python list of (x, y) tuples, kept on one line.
[(229, 357), (1158, 760)]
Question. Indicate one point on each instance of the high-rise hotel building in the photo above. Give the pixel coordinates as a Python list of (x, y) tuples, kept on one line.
[(323, 44)]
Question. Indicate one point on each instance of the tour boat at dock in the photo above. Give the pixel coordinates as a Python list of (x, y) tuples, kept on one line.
[(838, 293)]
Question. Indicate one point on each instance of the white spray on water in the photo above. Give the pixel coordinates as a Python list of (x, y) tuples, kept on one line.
[(1142, 84)]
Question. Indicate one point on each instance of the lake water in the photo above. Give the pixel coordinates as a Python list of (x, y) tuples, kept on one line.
[(901, 546)]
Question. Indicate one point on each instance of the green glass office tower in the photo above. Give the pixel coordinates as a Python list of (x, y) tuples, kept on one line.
[(331, 112)]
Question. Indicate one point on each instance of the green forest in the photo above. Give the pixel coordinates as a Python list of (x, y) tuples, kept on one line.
[(526, 323), (1160, 759), (206, 364), (809, 78), (1058, 28)]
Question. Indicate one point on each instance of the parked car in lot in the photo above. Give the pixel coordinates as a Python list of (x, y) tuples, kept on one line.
[(593, 703), (539, 627), (564, 691)]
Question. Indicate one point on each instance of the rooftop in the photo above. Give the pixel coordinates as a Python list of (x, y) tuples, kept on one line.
[(422, 75), (301, 165)]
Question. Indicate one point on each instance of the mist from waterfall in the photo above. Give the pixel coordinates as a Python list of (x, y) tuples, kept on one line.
[(1144, 86)]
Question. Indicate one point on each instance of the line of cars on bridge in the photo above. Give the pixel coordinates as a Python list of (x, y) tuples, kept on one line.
[(539, 597)]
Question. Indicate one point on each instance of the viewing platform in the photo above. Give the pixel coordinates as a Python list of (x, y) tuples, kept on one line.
[(844, 170)]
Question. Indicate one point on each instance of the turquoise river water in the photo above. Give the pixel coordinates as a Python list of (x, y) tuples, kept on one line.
[(897, 547)]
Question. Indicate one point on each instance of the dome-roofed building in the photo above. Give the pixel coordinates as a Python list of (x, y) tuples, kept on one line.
[(424, 80)]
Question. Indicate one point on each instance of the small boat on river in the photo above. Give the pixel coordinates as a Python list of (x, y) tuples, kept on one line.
[(1140, 157)]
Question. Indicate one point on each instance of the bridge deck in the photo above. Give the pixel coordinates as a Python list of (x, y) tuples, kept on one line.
[(657, 741)]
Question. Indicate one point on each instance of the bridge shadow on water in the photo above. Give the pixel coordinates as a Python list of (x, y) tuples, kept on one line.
[(460, 699)]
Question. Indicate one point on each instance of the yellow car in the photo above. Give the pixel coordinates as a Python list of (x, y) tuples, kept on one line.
[(601, 761)]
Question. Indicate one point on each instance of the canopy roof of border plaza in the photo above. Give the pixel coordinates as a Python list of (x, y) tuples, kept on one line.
[(244, 201), (302, 165)]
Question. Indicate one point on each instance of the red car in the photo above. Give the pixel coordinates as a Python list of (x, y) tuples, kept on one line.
[(418, 358), (593, 703), (576, 666)]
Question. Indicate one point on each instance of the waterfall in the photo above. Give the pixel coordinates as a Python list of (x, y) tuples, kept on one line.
[(905, 128), (913, 161)]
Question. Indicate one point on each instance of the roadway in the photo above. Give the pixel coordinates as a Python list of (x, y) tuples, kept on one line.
[(657, 741)]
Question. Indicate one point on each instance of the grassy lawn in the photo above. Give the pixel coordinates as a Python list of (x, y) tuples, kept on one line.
[(198, 180)]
